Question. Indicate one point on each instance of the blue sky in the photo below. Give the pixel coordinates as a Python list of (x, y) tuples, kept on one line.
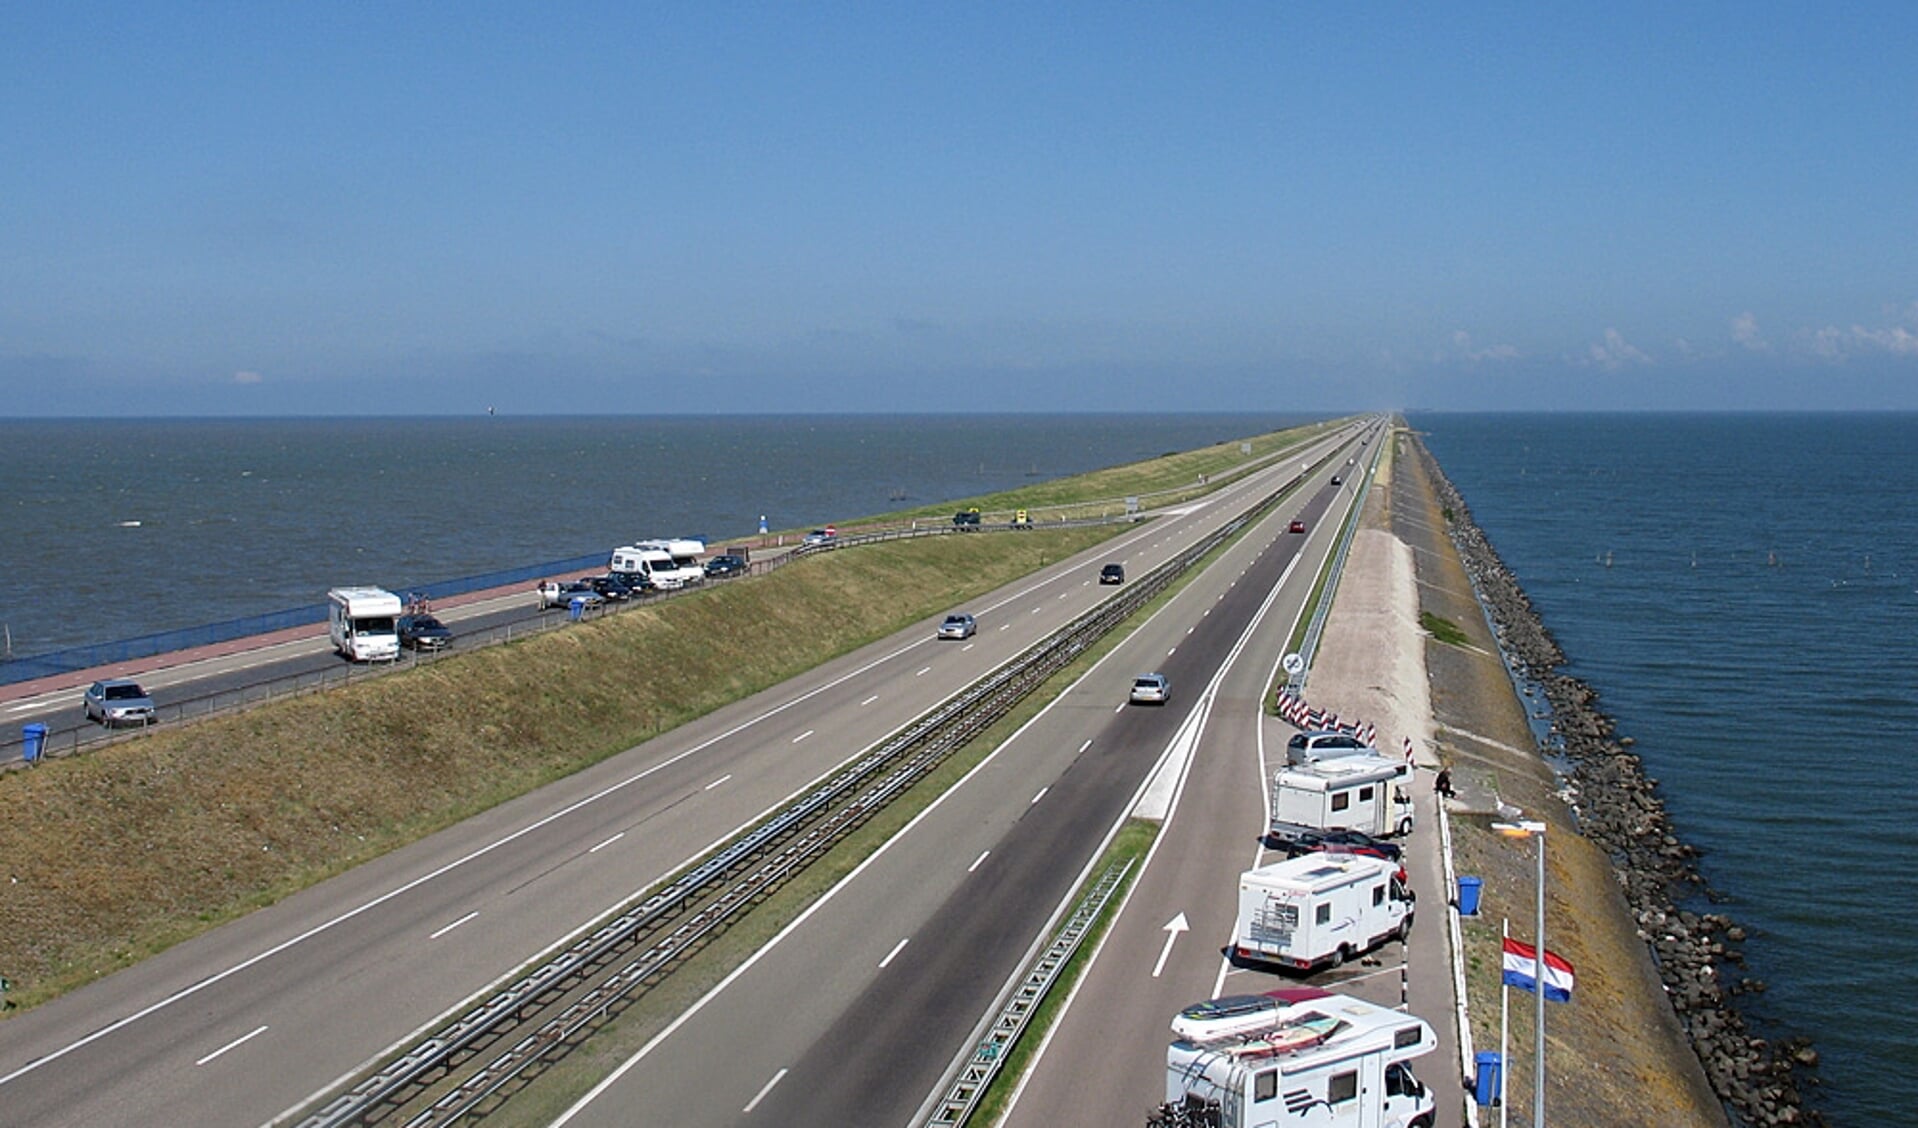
[(375, 209)]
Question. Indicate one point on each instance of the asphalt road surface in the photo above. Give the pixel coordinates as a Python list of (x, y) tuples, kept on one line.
[(253, 1020)]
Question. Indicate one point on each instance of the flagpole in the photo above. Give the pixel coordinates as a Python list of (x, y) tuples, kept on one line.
[(1504, 1030), (1538, 989)]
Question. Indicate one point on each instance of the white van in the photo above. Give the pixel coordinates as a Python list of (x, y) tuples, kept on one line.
[(363, 623), (668, 564), (1368, 793), (1319, 910)]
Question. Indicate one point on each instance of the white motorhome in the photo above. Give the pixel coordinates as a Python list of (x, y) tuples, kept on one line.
[(667, 564), (1368, 793), (1329, 1062), (363, 623), (1320, 910)]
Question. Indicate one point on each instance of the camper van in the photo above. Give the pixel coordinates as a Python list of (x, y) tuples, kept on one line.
[(1368, 793), (363, 623), (1328, 1062), (666, 564), (1319, 910)]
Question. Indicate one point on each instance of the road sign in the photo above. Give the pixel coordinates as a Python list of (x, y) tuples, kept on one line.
[(1293, 664)]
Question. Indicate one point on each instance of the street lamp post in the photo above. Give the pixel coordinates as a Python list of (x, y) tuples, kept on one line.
[(1529, 828)]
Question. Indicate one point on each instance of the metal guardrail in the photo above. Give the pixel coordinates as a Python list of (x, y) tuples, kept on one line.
[(557, 1003), (962, 1098)]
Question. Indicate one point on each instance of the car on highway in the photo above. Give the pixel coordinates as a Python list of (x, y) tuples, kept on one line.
[(1337, 481), (1296, 527), (958, 626), (118, 701), (424, 632), (1342, 842), (724, 565), (821, 536), (1150, 689), (1112, 574), (966, 519)]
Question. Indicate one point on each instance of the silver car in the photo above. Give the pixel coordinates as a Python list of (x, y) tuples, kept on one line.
[(958, 626), (119, 701), (1151, 689)]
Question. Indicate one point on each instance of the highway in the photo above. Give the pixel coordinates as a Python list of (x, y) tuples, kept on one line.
[(250, 1022), (886, 979)]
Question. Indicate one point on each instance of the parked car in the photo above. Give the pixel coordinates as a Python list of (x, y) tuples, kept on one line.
[(958, 626), (967, 519), (424, 632), (1311, 747), (1112, 574), (552, 593), (1342, 842), (821, 536), (118, 701), (724, 565), (1297, 527), (612, 588), (1151, 689)]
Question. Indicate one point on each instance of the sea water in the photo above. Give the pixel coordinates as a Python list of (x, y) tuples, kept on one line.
[(1742, 590)]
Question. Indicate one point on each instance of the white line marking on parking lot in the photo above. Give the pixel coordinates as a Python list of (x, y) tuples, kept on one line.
[(869, 700), (978, 861), (608, 842), (761, 1095), (235, 1042), (720, 780), (451, 927), (1041, 795), (802, 736), (896, 949)]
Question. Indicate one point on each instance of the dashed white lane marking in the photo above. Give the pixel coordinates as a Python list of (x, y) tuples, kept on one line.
[(241, 1040), (451, 927), (869, 700), (720, 780), (923, 672), (1003, 626), (608, 842), (1041, 795), (1171, 652), (1192, 628), (1086, 745), (1064, 594), (1121, 708), (803, 735), (896, 949), (967, 647), (1036, 610), (978, 861), (761, 1095)]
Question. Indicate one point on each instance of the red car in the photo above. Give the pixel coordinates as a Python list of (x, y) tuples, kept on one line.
[(1297, 527)]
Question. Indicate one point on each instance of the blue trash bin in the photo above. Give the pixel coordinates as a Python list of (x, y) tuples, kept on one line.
[(576, 607), (1485, 1078), (36, 739), (1468, 890)]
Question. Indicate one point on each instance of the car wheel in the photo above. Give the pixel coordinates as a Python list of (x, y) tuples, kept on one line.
[(1405, 827), (1338, 958)]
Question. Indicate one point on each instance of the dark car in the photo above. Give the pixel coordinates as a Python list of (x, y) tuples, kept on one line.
[(966, 518), (424, 632), (720, 567), (1337, 481), (118, 701), (1112, 574), (611, 588), (1342, 842), (1297, 527)]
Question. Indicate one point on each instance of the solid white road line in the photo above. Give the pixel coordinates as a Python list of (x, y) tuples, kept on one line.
[(720, 780), (608, 842), (241, 1040), (761, 1095), (896, 949), (981, 860), (451, 927)]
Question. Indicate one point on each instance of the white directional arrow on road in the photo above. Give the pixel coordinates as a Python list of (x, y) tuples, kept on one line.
[(1172, 929)]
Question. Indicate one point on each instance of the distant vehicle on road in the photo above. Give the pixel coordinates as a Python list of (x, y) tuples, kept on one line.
[(424, 632), (1021, 519), (1337, 481), (1150, 689), (958, 626), (724, 565), (553, 593), (967, 519), (822, 536), (1112, 574), (118, 701), (361, 623), (1296, 527), (613, 588)]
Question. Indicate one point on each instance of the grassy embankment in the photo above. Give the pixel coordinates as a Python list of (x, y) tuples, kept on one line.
[(121, 853)]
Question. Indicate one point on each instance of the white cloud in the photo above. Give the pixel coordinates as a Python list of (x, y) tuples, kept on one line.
[(1899, 339), (246, 377), (1462, 348), (1615, 352), (1745, 332)]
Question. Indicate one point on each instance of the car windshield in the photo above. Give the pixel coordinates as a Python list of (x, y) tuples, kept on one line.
[(956, 620), (427, 623), (124, 692)]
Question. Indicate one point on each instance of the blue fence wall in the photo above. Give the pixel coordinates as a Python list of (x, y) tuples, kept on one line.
[(165, 642)]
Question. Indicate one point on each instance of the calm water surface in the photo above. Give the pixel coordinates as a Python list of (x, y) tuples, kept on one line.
[(1743, 592)]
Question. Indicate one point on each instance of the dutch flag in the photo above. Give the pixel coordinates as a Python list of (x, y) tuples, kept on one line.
[(1521, 971)]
